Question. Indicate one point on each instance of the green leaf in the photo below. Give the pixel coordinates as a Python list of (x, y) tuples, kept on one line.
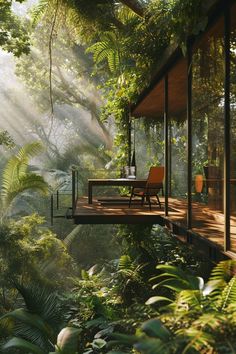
[(24, 345), (174, 284), (125, 339), (171, 270), (151, 346), (155, 328), (99, 343), (117, 352), (155, 299)]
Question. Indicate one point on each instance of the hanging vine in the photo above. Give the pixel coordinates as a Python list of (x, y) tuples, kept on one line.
[(50, 45)]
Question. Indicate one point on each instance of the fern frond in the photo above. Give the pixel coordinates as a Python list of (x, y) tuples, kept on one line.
[(224, 270), (126, 15), (196, 339), (229, 294), (220, 283), (113, 60), (211, 320), (39, 10), (189, 299), (125, 263), (107, 49)]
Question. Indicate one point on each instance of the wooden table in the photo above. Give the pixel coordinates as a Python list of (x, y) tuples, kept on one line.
[(124, 182)]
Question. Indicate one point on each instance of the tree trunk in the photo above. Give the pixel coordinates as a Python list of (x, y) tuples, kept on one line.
[(135, 6)]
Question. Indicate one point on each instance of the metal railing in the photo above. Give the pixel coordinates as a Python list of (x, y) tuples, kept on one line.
[(64, 198)]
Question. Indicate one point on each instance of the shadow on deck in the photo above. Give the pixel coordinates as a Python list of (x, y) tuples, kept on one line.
[(116, 211), (208, 224)]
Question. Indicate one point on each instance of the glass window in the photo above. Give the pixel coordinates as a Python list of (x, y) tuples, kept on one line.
[(208, 134), (178, 140)]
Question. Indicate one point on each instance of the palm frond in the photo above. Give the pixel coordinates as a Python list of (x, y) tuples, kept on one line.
[(20, 185), (23, 344), (10, 174), (17, 165), (28, 318), (42, 318), (32, 334), (29, 151), (43, 302), (16, 179)]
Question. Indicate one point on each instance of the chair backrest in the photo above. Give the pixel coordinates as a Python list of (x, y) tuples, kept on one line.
[(156, 175)]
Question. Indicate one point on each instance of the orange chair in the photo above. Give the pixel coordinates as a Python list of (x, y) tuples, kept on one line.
[(153, 186)]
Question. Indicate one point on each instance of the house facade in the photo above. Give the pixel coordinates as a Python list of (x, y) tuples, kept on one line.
[(195, 96)]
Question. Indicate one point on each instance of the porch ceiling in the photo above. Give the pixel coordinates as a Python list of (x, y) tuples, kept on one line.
[(152, 104)]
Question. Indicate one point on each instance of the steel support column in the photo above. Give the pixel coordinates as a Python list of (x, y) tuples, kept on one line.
[(189, 134), (170, 159), (227, 129), (129, 132), (166, 138)]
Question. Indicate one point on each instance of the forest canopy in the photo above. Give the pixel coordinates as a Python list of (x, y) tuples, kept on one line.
[(75, 67)]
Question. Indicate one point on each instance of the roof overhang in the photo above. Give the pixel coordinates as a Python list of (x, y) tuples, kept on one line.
[(150, 103)]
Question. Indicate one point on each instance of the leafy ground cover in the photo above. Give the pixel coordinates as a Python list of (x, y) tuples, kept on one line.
[(83, 311)]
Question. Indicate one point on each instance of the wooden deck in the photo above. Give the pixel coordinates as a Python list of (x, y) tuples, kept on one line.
[(208, 224), (116, 211)]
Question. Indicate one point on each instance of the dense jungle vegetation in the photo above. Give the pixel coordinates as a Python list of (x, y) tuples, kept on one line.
[(74, 69)]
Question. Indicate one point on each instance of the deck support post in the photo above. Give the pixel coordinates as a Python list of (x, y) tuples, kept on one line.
[(73, 191), (166, 138), (227, 129), (57, 199), (189, 134), (51, 209), (77, 184)]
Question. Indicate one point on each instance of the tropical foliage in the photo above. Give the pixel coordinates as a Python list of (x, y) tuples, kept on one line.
[(13, 35), (197, 318), (17, 178)]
